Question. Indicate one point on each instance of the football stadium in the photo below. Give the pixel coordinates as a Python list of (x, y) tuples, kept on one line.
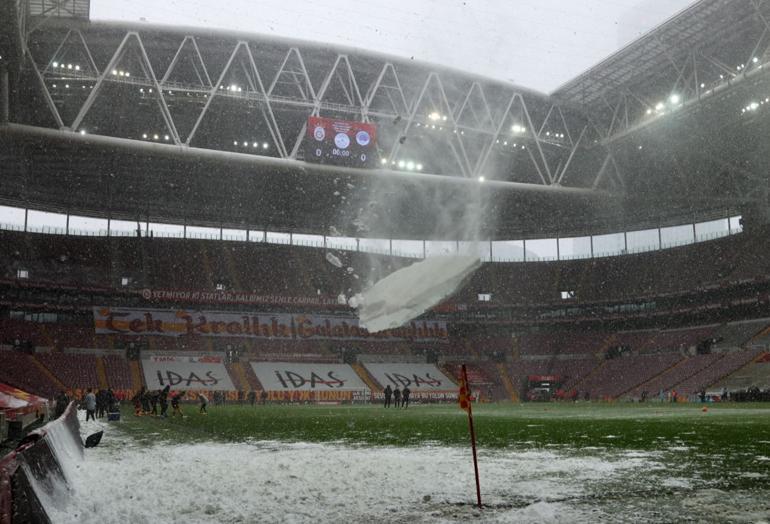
[(250, 277)]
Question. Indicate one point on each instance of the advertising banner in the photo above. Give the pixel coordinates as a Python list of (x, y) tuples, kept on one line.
[(186, 373), (232, 297), (298, 326), (293, 376), (419, 378)]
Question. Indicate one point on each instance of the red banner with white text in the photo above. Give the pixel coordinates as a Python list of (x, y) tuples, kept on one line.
[(290, 326)]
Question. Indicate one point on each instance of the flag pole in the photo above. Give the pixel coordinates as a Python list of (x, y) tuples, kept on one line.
[(473, 435)]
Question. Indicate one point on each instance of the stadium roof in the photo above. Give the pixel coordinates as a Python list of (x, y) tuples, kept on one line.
[(538, 44)]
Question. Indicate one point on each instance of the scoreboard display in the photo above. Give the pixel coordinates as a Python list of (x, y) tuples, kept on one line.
[(340, 142)]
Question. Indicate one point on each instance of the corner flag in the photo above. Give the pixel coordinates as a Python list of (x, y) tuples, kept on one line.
[(464, 398)]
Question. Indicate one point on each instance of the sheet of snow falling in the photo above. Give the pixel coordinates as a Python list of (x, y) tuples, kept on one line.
[(411, 291)]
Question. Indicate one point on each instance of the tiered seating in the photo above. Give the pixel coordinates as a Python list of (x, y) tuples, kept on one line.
[(561, 343), (755, 374), (74, 370), (678, 339), (18, 370), (676, 375), (712, 375), (736, 334), (118, 372), (761, 340), (618, 375)]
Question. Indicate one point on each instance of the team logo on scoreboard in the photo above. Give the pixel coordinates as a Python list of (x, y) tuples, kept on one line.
[(319, 133), (363, 138), (342, 140)]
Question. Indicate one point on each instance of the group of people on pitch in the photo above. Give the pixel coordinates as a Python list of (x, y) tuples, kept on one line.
[(400, 396), (147, 402)]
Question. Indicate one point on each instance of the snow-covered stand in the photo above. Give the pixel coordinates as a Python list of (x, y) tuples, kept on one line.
[(37, 469)]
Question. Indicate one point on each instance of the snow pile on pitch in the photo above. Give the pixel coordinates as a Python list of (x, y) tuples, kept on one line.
[(409, 292)]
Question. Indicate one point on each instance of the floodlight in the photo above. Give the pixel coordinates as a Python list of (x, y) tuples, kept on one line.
[(144, 135), (155, 136), (434, 116), (482, 179), (265, 145), (165, 137), (77, 68), (419, 167), (675, 99), (410, 165), (69, 66), (384, 161), (401, 164), (82, 131)]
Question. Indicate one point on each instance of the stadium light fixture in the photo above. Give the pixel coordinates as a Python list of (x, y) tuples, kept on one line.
[(82, 131), (482, 179), (384, 161), (444, 118), (265, 145), (516, 128), (114, 72), (235, 142), (401, 164), (419, 167), (702, 85), (55, 64), (434, 116), (69, 66), (54, 86), (66, 86), (675, 99), (128, 74), (245, 144), (410, 165), (166, 137), (144, 135), (155, 137), (660, 106), (254, 144), (77, 68)]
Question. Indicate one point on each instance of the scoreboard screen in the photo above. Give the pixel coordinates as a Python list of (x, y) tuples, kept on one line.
[(340, 142)]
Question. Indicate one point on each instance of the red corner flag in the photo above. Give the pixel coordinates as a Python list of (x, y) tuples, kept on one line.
[(464, 397)]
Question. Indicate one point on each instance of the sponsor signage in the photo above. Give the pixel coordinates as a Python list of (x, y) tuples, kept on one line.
[(340, 142), (232, 297), (186, 322), (417, 377), (292, 376), (186, 373)]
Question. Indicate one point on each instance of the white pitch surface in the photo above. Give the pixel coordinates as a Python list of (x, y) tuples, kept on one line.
[(411, 291), (418, 377), (292, 376), (184, 375), (169, 482)]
